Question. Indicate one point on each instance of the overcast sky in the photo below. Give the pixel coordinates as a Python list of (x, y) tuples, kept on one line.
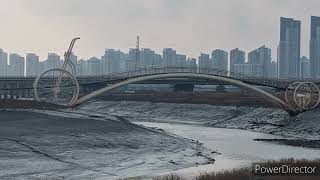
[(189, 26)]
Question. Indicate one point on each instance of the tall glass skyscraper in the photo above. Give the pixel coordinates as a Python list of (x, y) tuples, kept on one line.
[(315, 47), (289, 48)]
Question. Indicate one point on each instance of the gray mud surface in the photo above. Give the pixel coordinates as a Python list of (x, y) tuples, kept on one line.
[(305, 127), (58, 145)]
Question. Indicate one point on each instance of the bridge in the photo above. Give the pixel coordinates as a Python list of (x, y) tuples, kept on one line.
[(300, 96), (23, 86), (80, 89), (97, 85), (62, 87)]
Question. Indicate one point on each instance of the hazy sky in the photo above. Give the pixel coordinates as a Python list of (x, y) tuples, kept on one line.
[(189, 26)]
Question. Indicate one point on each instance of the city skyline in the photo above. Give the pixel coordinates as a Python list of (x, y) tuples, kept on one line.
[(258, 62), (187, 26), (313, 36), (114, 61)]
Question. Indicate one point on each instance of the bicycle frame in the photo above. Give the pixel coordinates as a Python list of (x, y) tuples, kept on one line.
[(66, 61)]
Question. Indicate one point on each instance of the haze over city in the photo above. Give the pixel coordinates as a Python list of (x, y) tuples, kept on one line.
[(160, 89), (190, 27)]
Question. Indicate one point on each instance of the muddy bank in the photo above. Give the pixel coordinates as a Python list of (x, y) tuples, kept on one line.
[(27, 104), (295, 142), (213, 98), (58, 145), (267, 120)]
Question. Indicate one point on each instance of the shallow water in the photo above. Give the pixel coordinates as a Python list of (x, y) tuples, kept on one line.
[(237, 147)]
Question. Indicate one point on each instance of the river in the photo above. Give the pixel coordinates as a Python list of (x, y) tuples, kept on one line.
[(236, 148), (99, 141)]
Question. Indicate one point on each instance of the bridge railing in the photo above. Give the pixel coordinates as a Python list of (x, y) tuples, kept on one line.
[(264, 81), (209, 71)]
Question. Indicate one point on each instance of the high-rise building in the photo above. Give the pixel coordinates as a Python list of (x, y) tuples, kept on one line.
[(220, 59), (16, 67), (32, 64), (192, 64), (236, 57), (3, 63), (274, 69), (148, 58), (181, 60), (53, 61), (289, 48), (247, 69), (315, 47), (169, 57), (123, 62), (261, 56), (253, 57), (82, 68), (94, 67), (205, 63), (74, 60), (157, 61), (305, 67), (131, 60), (111, 61)]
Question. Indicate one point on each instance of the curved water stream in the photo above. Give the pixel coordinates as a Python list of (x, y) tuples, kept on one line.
[(236, 148)]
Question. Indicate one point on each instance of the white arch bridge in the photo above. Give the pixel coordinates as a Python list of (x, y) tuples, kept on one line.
[(58, 86)]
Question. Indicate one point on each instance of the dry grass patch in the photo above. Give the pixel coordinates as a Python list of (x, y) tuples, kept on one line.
[(169, 177), (247, 173)]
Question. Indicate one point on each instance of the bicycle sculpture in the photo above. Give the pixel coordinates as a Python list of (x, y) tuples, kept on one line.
[(58, 86), (302, 95)]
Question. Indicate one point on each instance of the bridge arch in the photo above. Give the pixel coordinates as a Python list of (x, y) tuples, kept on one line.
[(266, 95)]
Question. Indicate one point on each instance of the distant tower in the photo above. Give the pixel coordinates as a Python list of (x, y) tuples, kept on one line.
[(315, 46), (289, 48), (138, 53)]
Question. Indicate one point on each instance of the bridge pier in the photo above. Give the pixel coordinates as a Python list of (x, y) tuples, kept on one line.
[(220, 88), (183, 87), (25, 92), (30, 93)]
